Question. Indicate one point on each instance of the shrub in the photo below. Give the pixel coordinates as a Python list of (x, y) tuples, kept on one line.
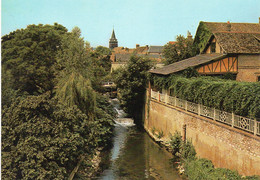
[(199, 169), (188, 151), (175, 143)]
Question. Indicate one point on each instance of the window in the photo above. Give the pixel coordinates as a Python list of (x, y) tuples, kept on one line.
[(258, 78), (213, 47)]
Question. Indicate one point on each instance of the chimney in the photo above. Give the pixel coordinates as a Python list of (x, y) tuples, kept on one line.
[(228, 26), (137, 45), (259, 20)]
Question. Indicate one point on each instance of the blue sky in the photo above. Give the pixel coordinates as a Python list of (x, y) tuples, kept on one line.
[(144, 22)]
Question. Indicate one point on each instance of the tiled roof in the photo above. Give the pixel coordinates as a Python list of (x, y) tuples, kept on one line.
[(126, 57), (233, 27), (235, 37), (239, 42), (122, 57), (155, 49), (184, 64)]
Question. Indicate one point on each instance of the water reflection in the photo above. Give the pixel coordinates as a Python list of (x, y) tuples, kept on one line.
[(136, 156)]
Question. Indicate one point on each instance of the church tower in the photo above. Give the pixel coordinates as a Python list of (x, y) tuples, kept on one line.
[(113, 41)]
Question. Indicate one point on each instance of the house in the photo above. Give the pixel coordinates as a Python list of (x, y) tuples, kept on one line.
[(224, 48)]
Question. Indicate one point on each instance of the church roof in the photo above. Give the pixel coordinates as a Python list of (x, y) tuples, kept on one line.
[(113, 36)]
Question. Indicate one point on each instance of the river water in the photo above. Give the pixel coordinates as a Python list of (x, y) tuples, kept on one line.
[(135, 155)]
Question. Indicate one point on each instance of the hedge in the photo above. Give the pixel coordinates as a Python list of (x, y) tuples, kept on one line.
[(242, 98)]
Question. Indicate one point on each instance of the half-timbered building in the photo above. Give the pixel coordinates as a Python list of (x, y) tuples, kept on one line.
[(224, 48)]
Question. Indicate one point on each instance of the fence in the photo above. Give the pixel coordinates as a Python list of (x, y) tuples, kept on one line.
[(246, 124)]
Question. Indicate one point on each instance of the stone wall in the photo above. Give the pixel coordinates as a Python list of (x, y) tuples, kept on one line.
[(225, 146), (248, 68)]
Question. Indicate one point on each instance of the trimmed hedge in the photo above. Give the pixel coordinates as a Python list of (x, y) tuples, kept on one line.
[(242, 98)]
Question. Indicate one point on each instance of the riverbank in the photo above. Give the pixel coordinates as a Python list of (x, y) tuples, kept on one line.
[(194, 168)]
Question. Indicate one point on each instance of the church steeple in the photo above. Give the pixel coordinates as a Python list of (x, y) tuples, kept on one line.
[(113, 41)]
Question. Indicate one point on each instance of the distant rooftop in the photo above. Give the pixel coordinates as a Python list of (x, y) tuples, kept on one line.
[(155, 49)]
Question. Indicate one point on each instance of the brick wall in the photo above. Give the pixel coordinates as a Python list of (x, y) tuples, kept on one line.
[(248, 68), (225, 146)]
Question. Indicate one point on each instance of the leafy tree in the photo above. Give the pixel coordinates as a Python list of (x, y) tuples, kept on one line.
[(30, 54), (182, 49), (46, 134), (73, 57), (131, 82), (73, 81), (43, 139), (101, 65)]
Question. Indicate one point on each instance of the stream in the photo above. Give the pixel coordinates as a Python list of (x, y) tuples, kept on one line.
[(135, 155)]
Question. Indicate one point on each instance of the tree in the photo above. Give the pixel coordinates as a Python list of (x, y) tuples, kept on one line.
[(30, 54), (73, 81), (182, 49), (131, 82), (43, 139), (101, 65), (47, 134)]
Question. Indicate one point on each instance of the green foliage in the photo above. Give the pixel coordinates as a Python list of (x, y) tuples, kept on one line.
[(160, 134), (187, 151), (203, 35), (74, 89), (176, 143), (72, 56), (190, 72), (104, 115), (199, 169), (242, 98), (203, 169), (44, 136), (43, 139), (178, 51), (101, 62), (30, 54), (131, 82)]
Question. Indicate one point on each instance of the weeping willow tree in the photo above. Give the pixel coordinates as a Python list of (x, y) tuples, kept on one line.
[(74, 89), (74, 78)]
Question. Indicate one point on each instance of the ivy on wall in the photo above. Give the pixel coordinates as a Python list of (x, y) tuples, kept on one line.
[(242, 98), (202, 36)]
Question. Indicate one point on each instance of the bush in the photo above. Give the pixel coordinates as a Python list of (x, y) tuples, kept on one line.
[(199, 169), (188, 151), (175, 143)]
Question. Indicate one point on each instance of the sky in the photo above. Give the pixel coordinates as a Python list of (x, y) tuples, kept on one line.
[(144, 22)]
